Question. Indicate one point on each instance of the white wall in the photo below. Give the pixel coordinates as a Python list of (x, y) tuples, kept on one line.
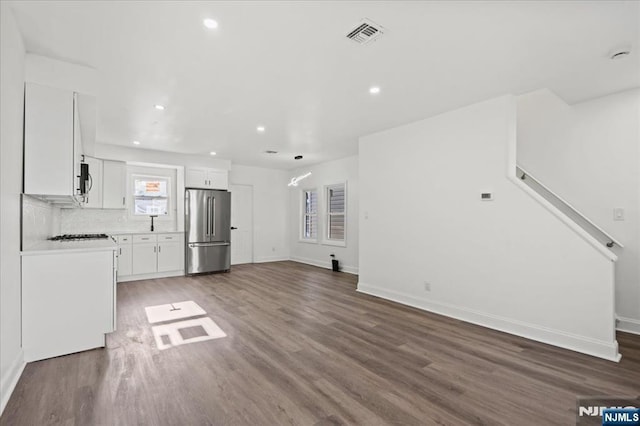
[(589, 154), (63, 75), (11, 118), (509, 264), (270, 216), (140, 155), (329, 173)]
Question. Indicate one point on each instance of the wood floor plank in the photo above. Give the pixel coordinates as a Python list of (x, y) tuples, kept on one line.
[(304, 348)]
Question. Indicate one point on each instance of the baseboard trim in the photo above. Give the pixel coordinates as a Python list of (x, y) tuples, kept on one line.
[(628, 325), (586, 345), (150, 276), (10, 380), (326, 265), (271, 259)]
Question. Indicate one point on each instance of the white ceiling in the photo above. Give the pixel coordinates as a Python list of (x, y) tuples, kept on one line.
[(288, 66)]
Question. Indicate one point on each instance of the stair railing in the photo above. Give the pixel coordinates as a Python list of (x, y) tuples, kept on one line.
[(583, 221)]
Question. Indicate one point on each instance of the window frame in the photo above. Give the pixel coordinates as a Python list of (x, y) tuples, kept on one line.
[(150, 176), (326, 240), (304, 214)]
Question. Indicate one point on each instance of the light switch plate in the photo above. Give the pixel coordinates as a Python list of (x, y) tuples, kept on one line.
[(486, 196), (618, 213)]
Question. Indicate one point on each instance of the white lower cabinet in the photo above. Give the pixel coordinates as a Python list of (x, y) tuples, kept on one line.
[(144, 259), (150, 255), (124, 255), (68, 302), (170, 256)]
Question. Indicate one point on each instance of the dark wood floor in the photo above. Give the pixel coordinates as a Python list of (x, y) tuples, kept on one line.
[(304, 348)]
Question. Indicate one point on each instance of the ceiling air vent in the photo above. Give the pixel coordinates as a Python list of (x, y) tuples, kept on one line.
[(365, 32)]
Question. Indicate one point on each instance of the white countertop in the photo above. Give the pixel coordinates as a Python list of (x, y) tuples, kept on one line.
[(51, 247), (144, 232)]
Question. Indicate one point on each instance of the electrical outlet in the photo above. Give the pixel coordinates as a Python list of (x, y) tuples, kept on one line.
[(427, 286)]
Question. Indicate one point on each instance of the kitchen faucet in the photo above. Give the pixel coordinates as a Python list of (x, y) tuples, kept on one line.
[(152, 216)]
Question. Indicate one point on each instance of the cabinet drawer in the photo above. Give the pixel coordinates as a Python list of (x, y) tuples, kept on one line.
[(123, 239), (171, 237), (145, 238)]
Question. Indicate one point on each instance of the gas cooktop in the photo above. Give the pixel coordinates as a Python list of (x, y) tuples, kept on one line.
[(79, 237)]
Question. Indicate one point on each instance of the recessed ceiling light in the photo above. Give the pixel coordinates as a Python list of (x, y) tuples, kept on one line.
[(374, 90), (136, 142), (160, 107), (212, 153), (260, 129), (210, 23)]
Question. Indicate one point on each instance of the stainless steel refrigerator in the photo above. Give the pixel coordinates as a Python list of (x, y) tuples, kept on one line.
[(208, 234)]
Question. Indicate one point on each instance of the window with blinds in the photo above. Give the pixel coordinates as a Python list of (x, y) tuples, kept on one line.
[(150, 195), (310, 214), (336, 212)]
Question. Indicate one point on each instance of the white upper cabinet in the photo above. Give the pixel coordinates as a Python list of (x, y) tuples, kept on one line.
[(200, 177), (93, 200), (114, 184), (107, 184), (53, 142), (195, 178), (48, 141)]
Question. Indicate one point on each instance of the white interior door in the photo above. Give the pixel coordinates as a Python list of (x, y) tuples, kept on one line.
[(241, 224)]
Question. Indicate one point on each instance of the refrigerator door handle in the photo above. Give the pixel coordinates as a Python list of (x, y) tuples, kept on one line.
[(187, 200), (213, 225), (193, 245), (210, 216), (206, 217)]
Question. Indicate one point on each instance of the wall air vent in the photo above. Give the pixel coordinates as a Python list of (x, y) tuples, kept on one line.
[(365, 32)]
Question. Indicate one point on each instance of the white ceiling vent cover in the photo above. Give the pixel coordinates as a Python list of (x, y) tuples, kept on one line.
[(365, 32)]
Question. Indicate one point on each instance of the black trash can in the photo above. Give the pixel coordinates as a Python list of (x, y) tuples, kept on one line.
[(335, 265)]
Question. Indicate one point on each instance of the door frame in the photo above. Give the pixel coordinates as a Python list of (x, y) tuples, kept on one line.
[(253, 228)]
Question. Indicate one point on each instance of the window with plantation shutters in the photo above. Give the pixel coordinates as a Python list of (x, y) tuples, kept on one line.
[(336, 213), (310, 215)]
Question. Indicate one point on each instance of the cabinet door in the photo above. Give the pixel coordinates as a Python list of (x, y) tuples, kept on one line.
[(196, 178), (48, 141), (144, 258), (218, 179), (114, 181), (72, 315), (170, 256), (94, 197), (124, 260)]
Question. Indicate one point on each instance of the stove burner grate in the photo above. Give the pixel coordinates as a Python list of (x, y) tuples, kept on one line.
[(79, 237)]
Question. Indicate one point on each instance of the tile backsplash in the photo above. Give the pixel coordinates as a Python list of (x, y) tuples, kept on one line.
[(79, 221), (40, 220)]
